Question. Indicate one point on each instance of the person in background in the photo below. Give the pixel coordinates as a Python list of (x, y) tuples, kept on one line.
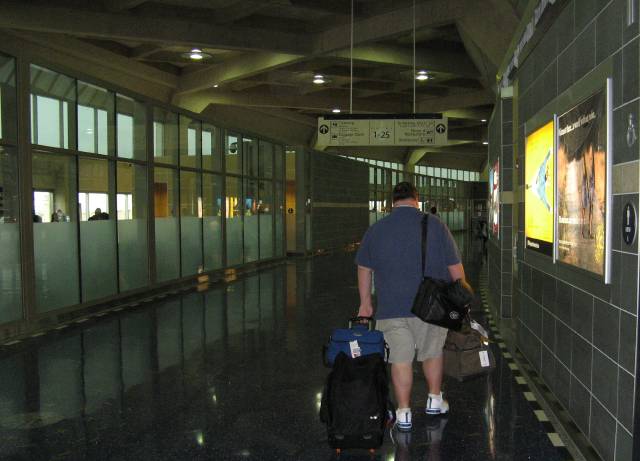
[(434, 211), (99, 215), (392, 250), (58, 216)]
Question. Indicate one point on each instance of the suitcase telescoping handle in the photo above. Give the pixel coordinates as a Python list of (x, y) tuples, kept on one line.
[(361, 321)]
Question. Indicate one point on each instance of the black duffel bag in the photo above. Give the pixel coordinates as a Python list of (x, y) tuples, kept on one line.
[(439, 302)]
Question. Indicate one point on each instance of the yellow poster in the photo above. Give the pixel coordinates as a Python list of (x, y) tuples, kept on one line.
[(539, 196)]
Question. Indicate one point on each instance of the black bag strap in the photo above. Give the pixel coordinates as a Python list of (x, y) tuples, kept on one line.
[(425, 227)]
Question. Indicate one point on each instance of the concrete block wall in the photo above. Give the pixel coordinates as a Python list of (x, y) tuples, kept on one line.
[(577, 332), (500, 248), (340, 201)]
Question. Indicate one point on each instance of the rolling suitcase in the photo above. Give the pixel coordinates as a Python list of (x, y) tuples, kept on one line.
[(355, 403)]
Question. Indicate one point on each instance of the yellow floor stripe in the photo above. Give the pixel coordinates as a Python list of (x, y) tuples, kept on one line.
[(555, 439), (529, 396), (541, 415), (520, 380), (507, 355), (513, 366), (502, 345)]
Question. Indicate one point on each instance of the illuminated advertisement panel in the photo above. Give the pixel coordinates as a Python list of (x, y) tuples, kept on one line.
[(582, 162), (539, 190)]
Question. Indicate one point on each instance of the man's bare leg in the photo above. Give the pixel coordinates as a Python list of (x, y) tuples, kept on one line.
[(402, 377), (432, 369)]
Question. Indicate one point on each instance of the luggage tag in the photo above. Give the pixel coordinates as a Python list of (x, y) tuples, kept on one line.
[(355, 349), (484, 359)]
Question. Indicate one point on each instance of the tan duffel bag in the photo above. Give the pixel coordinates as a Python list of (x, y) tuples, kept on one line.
[(467, 354)]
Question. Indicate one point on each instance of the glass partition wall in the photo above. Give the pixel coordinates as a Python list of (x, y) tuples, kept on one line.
[(124, 195), (449, 196)]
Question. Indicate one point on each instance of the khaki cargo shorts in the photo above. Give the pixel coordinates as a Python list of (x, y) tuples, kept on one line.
[(406, 335)]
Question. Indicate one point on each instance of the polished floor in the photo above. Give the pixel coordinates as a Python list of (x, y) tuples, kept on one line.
[(229, 374)]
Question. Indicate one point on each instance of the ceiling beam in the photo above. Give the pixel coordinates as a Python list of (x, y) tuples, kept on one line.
[(490, 28), (432, 60), (398, 22), (455, 101), (143, 51), (197, 102), (127, 26), (89, 60), (246, 8), (470, 153), (121, 5), (234, 69)]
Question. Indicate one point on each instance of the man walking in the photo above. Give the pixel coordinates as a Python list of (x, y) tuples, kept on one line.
[(391, 249)]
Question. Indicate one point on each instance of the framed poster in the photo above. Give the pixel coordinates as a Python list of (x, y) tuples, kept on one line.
[(539, 195), (582, 193), (494, 198)]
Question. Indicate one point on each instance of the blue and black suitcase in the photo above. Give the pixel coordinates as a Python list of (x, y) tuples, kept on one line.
[(359, 339), (355, 402)]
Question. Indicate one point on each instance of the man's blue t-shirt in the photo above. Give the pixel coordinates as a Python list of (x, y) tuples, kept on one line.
[(392, 249)]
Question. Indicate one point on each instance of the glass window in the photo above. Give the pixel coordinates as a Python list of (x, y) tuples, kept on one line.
[(210, 155), (11, 286), (250, 157), (232, 153), (52, 108), (97, 230), (55, 238), (278, 163), (165, 195), (131, 203), (234, 207), (212, 210), (265, 213), (95, 119), (190, 222), (265, 169), (8, 125), (130, 128), (165, 137), (466, 175), (250, 220), (189, 134), (279, 219)]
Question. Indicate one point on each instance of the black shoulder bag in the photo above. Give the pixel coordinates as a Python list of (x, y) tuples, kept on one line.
[(439, 302)]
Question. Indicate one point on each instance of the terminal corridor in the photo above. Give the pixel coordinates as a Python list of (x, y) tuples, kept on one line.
[(231, 373)]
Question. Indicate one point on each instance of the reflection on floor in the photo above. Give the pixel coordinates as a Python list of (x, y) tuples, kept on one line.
[(232, 373)]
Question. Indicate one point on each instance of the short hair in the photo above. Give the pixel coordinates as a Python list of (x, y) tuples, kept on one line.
[(434, 210), (404, 190)]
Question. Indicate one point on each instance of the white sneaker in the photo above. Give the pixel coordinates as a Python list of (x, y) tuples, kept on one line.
[(437, 405), (403, 419)]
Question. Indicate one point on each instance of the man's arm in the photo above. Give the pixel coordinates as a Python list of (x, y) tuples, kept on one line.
[(457, 273), (364, 288)]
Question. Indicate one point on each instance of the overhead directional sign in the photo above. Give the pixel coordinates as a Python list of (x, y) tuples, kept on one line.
[(383, 130)]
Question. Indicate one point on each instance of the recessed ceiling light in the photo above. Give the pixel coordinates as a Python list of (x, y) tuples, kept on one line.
[(485, 143), (422, 75), (196, 54), (216, 85), (318, 79), (484, 120), (336, 111)]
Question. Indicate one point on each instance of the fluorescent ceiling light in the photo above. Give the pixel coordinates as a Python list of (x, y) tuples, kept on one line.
[(216, 85), (485, 143), (318, 79), (484, 120), (336, 111)]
